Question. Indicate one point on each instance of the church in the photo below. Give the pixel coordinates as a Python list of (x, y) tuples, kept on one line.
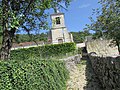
[(59, 33)]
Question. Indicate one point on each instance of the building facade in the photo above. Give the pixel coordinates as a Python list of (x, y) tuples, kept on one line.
[(59, 33)]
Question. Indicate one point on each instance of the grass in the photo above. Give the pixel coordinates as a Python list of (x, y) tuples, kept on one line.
[(82, 62), (59, 56), (64, 56), (0, 41)]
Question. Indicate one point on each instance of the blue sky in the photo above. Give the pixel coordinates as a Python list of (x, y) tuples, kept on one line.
[(78, 13)]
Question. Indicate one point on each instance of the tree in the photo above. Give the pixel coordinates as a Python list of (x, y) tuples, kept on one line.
[(19, 38), (79, 37), (25, 15), (108, 21)]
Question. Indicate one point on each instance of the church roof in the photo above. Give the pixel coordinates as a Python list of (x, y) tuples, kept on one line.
[(15, 45)]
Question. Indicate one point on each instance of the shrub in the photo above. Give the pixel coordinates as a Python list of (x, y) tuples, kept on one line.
[(33, 75), (43, 51), (80, 50)]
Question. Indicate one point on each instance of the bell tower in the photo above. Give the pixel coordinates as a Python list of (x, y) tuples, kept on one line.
[(58, 33), (58, 20)]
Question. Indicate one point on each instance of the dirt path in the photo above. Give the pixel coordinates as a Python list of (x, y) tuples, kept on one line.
[(77, 79), (81, 77)]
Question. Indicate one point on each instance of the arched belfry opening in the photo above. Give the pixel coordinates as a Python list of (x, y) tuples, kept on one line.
[(57, 20), (59, 33)]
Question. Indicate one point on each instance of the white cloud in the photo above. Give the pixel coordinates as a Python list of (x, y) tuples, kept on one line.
[(84, 6)]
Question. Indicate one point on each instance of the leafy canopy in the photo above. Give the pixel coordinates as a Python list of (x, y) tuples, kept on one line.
[(107, 24), (79, 37), (26, 15)]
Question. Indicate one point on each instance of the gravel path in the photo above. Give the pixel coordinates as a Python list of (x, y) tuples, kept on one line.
[(81, 77), (77, 79)]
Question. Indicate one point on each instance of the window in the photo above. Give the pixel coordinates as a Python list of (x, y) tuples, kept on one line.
[(57, 20)]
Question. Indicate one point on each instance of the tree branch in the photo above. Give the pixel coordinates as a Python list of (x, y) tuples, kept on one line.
[(28, 6)]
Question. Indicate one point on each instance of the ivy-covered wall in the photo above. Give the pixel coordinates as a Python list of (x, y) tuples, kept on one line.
[(33, 74), (43, 51)]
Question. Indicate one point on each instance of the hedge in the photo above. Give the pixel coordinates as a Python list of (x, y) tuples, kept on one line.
[(43, 51), (33, 75)]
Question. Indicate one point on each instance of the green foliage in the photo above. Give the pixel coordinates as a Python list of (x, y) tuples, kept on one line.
[(80, 50), (24, 15), (33, 74), (19, 38), (107, 24), (0, 39), (79, 37), (43, 51)]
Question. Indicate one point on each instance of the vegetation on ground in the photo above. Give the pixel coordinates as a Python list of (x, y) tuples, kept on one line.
[(82, 62), (33, 74), (47, 51), (28, 71)]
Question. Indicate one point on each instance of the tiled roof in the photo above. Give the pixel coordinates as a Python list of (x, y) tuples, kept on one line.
[(26, 44)]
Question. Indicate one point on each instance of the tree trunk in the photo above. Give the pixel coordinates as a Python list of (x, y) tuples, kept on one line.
[(118, 45), (119, 48), (7, 34), (7, 44)]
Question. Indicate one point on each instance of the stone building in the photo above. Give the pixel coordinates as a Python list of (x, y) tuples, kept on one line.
[(59, 33)]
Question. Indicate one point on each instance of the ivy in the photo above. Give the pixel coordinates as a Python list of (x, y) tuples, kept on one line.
[(33, 74), (43, 51)]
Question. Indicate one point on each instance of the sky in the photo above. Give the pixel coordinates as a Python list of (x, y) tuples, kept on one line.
[(78, 13)]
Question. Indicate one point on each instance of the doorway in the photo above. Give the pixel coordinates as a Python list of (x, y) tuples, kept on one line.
[(60, 41)]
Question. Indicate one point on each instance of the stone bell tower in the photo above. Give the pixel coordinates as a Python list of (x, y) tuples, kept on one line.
[(58, 33)]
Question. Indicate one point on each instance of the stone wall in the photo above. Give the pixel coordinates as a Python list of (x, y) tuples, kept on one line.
[(107, 69), (102, 47), (75, 59), (105, 61), (81, 74)]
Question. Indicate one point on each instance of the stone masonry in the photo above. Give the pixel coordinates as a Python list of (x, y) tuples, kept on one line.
[(105, 61), (59, 33)]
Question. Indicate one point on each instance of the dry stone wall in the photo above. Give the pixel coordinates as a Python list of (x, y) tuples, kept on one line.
[(102, 47), (105, 62), (82, 76), (107, 70), (75, 59)]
